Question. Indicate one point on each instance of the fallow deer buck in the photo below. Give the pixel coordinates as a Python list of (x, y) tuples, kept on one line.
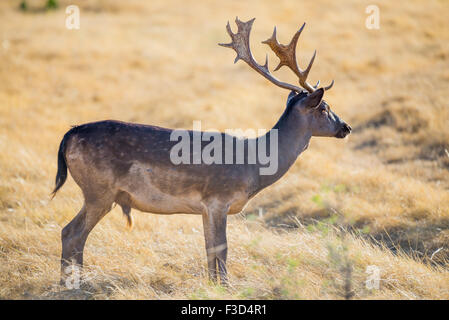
[(129, 164)]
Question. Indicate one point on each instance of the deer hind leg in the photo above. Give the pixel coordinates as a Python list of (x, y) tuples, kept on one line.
[(214, 222), (74, 235)]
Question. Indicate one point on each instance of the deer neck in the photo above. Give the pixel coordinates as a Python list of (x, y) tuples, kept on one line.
[(293, 139)]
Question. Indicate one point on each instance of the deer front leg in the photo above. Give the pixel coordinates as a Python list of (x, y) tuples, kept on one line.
[(214, 223), (221, 248), (209, 238)]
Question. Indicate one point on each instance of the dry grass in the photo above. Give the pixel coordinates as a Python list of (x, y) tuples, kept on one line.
[(157, 62)]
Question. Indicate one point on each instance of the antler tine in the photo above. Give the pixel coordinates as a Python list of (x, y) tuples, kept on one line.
[(240, 44), (329, 86), (287, 57)]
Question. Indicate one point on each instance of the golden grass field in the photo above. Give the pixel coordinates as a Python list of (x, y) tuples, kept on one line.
[(379, 197)]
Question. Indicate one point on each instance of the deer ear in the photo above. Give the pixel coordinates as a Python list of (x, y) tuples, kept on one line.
[(294, 97), (313, 100), (290, 97)]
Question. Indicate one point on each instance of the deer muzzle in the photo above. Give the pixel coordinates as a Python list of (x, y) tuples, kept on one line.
[(344, 131)]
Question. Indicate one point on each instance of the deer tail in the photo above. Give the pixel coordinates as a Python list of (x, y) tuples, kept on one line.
[(61, 175)]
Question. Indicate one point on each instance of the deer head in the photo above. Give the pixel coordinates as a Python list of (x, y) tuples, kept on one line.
[(307, 100)]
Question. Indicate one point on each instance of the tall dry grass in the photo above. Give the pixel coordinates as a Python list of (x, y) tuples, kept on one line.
[(157, 62)]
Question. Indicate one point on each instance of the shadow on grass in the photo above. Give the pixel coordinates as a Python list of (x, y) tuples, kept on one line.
[(424, 241), (103, 289)]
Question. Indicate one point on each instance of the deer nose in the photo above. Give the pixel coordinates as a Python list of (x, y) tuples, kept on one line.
[(347, 128)]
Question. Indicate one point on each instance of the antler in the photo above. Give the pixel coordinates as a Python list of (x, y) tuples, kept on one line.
[(287, 57), (285, 53), (240, 43)]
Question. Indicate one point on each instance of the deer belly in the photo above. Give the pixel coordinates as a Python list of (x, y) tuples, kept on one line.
[(154, 201), (147, 193)]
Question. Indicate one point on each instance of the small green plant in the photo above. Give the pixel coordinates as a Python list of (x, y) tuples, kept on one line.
[(251, 217), (51, 4), (199, 294), (339, 258), (23, 5), (365, 230), (292, 264), (318, 200), (247, 293), (220, 290)]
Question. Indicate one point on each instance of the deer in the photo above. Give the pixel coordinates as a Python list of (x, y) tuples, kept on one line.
[(128, 164)]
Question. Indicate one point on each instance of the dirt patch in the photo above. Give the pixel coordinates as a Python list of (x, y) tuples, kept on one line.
[(438, 152)]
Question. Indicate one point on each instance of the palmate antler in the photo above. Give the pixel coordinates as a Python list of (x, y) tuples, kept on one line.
[(285, 53)]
